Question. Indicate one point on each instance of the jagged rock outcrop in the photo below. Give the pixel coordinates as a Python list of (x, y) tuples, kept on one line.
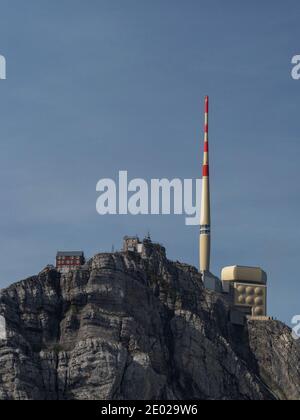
[(127, 327)]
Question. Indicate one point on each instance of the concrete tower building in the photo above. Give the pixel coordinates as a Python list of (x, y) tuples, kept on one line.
[(210, 281), (205, 201), (245, 287)]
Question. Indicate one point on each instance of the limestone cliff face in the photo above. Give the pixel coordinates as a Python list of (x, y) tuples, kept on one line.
[(126, 327)]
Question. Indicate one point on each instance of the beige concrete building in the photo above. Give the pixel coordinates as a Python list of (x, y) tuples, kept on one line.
[(247, 288)]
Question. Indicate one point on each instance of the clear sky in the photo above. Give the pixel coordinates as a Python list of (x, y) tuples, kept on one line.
[(98, 86)]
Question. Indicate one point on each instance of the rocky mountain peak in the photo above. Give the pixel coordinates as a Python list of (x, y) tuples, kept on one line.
[(132, 326)]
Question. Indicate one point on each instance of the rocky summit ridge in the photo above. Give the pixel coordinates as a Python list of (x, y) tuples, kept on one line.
[(126, 326)]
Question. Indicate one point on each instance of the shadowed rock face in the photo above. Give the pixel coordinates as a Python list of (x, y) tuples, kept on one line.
[(123, 327)]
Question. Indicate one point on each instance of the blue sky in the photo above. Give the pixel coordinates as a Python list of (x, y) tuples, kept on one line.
[(106, 85)]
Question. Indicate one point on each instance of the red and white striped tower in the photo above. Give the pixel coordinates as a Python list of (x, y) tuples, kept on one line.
[(205, 201)]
